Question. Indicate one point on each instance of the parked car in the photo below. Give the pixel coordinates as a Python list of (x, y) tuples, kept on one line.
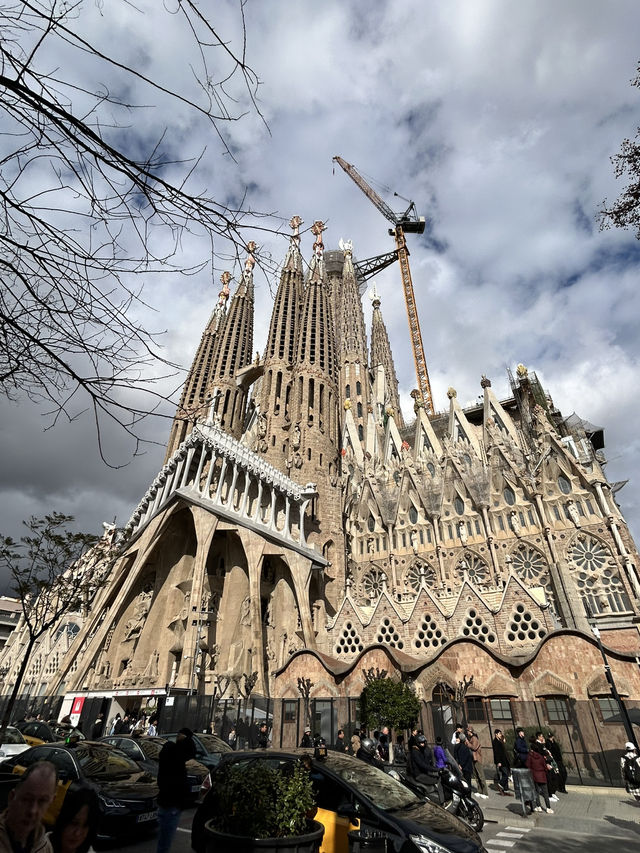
[(36, 732), (127, 795), (209, 748), (13, 742), (352, 794), (146, 752)]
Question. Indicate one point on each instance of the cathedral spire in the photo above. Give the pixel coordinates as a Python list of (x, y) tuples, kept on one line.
[(381, 355), (279, 354), (352, 345), (233, 352), (194, 400)]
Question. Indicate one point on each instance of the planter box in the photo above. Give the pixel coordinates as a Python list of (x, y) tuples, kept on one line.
[(221, 842)]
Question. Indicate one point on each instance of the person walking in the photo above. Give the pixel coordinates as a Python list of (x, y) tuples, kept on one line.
[(307, 740), (473, 742), (630, 769), (463, 756), (340, 744), (173, 788), (537, 764), (501, 762), (399, 752), (21, 828), (439, 754), (98, 726), (263, 736), (520, 749), (554, 748)]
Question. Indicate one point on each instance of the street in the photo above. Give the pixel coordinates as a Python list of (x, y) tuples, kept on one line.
[(605, 835)]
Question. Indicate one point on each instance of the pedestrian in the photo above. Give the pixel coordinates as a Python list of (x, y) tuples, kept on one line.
[(355, 741), (439, 754), (340, 744), (459, 729), (552, 768), (383, 745), (232, 737), (152, 731), (21, 829), (307, 741), (263, 736), (463, 756), (114, 724), (413, 738), (501, 762), (77, 824), (399, 752), (122, 725), (173, 788), (473, 742), (554, 748), (520, 749), (630, 769), (98, 726), (538, 765)]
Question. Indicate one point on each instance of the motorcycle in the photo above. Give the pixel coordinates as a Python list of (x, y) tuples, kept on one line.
[(449, 790)]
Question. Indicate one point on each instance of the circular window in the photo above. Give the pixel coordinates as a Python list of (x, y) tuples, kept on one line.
[(371, 524), (564, 485), (459, 505), (509, 496), (413, 514)]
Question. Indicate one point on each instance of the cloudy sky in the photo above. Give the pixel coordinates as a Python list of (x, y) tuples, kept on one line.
[(498, 119)]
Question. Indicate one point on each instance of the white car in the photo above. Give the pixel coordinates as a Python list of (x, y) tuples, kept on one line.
[(13, 743)]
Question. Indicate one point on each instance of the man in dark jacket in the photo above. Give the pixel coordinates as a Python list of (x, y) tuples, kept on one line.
[(307, 740), (554, 748), (340, 744), (501, 761), (520, 749), (421, 762), (173, 790), (464, 757)]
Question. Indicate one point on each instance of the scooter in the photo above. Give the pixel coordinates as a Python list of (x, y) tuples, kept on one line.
[(449, 790)]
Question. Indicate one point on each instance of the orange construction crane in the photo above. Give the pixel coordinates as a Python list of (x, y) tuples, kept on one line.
[(408, 222)]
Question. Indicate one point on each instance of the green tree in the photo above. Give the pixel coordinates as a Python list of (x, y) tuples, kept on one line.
[(625, 211), (48, 578), (391, 703)]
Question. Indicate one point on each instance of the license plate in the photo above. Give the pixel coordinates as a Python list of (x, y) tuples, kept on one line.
[(147, 816)]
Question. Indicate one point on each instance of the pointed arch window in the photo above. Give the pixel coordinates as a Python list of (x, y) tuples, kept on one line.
[(458, 504), (413, 514)]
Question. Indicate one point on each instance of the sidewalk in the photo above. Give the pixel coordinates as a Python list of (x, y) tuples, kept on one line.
[(576, 811)]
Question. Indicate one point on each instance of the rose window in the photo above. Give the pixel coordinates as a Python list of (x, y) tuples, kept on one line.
[(476, 569), (589, 554), (372, 583), (528, 564), (415, 573)]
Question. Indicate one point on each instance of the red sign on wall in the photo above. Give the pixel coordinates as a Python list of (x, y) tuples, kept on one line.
[(78, 702)]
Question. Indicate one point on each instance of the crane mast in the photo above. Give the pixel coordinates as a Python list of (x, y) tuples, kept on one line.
[(406, 222)]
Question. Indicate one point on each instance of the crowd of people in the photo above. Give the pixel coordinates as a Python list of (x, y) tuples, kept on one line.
[(541, 756)]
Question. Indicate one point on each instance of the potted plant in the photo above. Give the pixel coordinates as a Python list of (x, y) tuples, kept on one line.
[(260, 808)]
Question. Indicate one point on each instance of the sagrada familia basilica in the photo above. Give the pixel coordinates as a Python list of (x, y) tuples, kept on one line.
[(300, 527)]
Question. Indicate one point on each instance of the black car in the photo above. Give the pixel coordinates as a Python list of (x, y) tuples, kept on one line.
[(145, 751), (209, 748), (351, 793), (127, 795), (36, 732)]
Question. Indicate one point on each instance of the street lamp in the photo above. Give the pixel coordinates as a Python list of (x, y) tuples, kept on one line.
[(609, 676)]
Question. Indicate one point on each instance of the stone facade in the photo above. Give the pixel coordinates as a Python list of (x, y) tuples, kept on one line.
[(299, 527)]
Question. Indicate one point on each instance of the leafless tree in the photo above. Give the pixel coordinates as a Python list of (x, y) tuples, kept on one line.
[(85, 216), (48, 577), (625, 211)]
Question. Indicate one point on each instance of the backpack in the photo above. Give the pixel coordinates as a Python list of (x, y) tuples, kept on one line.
[(632, 771)]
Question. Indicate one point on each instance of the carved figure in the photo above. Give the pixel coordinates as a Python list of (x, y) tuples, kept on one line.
[(141, 609), (574, 515), (295, 437), (462, 532), (245, 611), (514, 521)]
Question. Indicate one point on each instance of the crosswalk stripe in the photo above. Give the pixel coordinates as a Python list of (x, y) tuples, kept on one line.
[(510, 834), (500, 843), (519, 828)]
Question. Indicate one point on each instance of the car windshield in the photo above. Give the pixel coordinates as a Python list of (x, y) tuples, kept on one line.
[(214, 744), (101, 762), (13, 736), (378, 786), (151, 747)]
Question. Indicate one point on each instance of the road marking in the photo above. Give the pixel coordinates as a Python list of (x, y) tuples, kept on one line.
[(183, 829), (519, 828), (499, 842), (515, 835)]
